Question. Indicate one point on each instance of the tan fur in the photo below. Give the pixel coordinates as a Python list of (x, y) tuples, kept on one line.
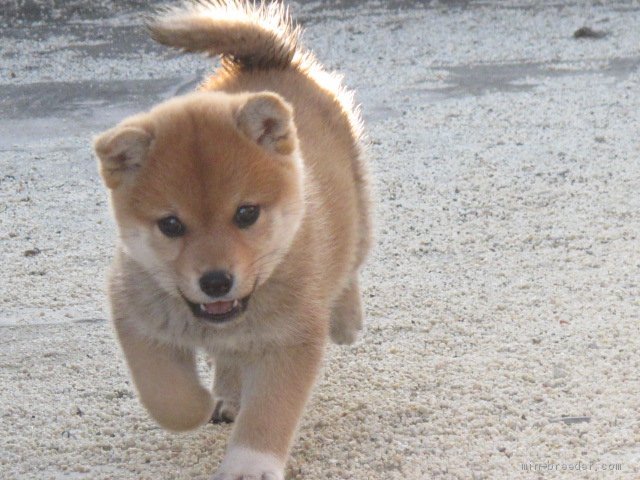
[(270, 128)]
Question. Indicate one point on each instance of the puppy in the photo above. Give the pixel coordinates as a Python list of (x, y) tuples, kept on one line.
[(243, 219)]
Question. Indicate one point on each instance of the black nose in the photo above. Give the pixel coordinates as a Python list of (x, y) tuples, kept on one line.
[(216, 283)]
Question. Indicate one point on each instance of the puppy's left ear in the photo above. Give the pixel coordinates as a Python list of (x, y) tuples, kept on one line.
[(267, 119), (122, 151)]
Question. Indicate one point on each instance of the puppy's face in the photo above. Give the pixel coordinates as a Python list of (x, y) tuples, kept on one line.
[(207, 194)]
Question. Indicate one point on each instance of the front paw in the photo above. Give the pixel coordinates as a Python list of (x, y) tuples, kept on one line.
[(241, 463)]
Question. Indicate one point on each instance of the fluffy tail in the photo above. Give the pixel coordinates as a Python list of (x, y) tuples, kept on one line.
[(251, 36)]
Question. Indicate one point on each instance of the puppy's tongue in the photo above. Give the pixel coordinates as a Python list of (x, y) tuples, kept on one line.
[(217, 308)]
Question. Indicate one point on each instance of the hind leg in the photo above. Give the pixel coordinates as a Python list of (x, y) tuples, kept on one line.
[(226, 390), (346, 315)]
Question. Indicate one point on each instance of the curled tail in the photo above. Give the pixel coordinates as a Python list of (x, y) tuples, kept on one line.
[(251, 36)]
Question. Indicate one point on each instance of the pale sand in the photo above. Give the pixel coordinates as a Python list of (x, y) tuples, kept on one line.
[(502, 295)]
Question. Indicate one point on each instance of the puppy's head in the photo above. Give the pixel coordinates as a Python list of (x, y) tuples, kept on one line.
[(207, 193)]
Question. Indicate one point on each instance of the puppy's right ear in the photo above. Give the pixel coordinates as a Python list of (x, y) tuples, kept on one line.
[(121, 150)]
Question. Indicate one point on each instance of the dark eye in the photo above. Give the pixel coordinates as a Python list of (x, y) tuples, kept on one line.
[(246, 215), (171, 226)]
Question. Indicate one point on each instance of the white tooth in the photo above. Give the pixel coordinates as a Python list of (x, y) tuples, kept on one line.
[(202, 308), (235, 303)]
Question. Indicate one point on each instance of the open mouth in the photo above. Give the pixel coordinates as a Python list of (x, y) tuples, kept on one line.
[(218, 312)]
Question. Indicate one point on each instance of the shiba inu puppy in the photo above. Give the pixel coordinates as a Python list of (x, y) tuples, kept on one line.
[(243, 219)]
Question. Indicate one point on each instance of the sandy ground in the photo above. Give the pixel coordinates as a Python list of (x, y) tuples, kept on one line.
[(503, 293)]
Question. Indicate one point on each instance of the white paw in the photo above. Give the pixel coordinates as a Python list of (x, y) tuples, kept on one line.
[(241, 463)]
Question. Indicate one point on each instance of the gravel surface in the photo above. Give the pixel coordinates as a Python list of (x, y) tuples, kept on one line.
[(502, 298)]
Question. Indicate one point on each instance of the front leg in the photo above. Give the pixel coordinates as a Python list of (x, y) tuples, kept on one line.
[(166, 379), (275, 389)]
